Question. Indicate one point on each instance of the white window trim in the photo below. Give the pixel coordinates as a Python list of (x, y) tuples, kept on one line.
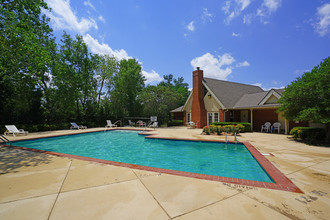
[(188, 118), (213, 117)]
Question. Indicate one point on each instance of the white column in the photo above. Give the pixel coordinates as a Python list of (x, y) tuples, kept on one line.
[(286, 126)]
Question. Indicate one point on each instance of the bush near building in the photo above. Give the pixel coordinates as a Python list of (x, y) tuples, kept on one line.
[(308, 134), (247, 126)]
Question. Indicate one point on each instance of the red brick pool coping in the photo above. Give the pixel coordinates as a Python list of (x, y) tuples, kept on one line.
[(281, 181)]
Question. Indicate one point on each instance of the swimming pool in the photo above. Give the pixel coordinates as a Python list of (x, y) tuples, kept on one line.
[(210, 158)]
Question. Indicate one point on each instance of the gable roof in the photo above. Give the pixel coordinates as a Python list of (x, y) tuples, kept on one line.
[(279, 91), (229, 93), (258, 99), (179, 109), (250, 100)]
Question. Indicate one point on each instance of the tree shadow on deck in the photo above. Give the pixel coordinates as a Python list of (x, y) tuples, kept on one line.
[(12, 159)]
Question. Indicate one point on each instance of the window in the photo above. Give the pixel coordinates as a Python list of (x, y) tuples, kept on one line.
[(213, 117), (231, 116), (210, 118), (188, 117), (216, 117)]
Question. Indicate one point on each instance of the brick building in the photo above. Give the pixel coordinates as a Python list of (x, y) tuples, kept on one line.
[(214, 100)]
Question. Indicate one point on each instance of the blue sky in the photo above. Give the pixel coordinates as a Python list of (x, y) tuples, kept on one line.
[(262, 42)]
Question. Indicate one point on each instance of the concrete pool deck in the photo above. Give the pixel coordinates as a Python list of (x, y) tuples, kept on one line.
[(39, 186)]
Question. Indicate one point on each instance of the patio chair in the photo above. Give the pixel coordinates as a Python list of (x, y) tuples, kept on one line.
[(276, 126), (11, 129), (153, 124), (110, 125), (75, 126), (141, 123), (192, 124), (131, 123), (266, 127)]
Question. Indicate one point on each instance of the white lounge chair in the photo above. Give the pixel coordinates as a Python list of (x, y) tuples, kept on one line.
[(192, 124), (110, 125), (266, 127), (75, 126), (276, 126), (11, 129), (153, 124), (131, 123)]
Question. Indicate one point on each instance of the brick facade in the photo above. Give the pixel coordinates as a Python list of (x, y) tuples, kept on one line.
[(261, 116), (221, 115), (184, 118), (198, 111), (177, 116)]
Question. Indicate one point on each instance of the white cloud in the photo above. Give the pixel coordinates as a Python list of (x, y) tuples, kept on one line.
[(300, 72), (272, 5), (101, 18), (235, 34), (268, 88), (217, 67), (257, 84), (207, 16), (101, 48), (191, 26), (234, 8), (245, 63), (244, 3), (226, 59), (88, 3), (214, 67), (63, 17), (247, 19), (268, 7), (226, 7), (323, 16), (152, 77)]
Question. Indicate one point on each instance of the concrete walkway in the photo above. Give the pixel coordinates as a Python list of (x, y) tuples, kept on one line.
[(40, 186)]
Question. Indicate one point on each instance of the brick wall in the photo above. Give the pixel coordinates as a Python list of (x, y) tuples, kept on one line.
[(221, 116), (198, 111), (184, 118), (177, 115), (261, 116), (293, 124)]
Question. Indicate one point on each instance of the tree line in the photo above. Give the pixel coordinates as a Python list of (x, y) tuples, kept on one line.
[(44, 82)]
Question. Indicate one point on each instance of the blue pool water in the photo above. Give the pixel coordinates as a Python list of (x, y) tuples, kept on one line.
[(219, 159)]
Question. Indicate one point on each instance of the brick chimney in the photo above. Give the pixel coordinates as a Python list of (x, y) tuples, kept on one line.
[(198, 111)]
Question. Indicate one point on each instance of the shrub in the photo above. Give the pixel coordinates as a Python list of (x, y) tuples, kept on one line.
[(246, 125), (175, 123), (219, 130), (237, 128), (228, 128), (206, 130), (308, 134), (213, 129)]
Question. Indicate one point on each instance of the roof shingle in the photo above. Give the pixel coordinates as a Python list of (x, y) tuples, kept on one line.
[(229, 93)]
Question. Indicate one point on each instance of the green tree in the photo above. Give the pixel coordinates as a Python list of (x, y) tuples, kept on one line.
[(107, 67), (159, 100), (308, 97), (167, 95), (128, 84), (25, 53), (74, 78)]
